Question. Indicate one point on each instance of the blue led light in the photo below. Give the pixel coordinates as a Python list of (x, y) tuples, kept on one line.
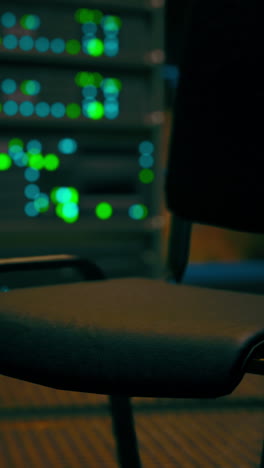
[(34, 146), (57, 45), (31, 191), (111, 47), (26, 108), (42, 44), (9, 86), (30, 210), (89, 92), (146, 147), (89, 29), (146, 161), (58, 110), (26, 43), (10, 108), (42, 109), (31, 175), (10, 41), (8, 19), (67, 146)]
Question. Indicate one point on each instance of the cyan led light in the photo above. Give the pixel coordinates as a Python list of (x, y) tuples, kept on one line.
[(111, 47), (31, 175), (10, 108), (26, 108), (146, 147), (30, 210), (89, 29), (111, 109), (42, 44), (67, 146), (10, 41), (31, 191), (138, 212), (8, 19), (26, 43), (20, 159), (8, 86), (146, 161), (89, 92), (42, 202), (57, 45), (34, 147), (42, 109), (58, 110)]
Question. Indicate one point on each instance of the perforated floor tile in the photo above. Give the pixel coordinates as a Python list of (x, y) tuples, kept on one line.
[(226, 439)]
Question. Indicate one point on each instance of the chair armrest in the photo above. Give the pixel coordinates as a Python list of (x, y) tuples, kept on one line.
[(10, 269)]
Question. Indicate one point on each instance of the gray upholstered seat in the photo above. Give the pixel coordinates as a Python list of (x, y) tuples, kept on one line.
[(134, 337)]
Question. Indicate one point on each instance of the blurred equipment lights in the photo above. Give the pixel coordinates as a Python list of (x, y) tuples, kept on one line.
[(95, 47), (31, 22), (8, 19), (5, 162), (146, 176), (104, 210), (8, 86), (138, 212), (67, 146)]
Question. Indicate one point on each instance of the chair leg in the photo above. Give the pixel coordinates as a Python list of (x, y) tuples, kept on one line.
[(262, 457), (124, 431)]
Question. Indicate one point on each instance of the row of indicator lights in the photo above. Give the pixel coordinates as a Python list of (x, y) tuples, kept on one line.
[(83, 16), (50, 162), (69, 210), (27, 87), (146, 162), (86, 80), (94, 110), (94, 47), (29, 21)]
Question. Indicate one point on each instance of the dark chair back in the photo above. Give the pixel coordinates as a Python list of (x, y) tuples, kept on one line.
[(215, 173)]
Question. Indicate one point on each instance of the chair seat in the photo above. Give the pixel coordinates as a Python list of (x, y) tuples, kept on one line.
[(134, 337)]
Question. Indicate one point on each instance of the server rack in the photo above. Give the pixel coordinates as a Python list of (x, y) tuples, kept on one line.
[(81, 118)]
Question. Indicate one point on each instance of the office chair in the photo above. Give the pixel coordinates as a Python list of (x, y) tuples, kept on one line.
[(159, 338)]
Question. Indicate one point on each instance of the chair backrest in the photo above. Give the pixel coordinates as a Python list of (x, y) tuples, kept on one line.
[(215, 171)]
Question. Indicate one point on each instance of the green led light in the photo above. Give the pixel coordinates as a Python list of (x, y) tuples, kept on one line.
[(111, 23), (73, 111), (112, 85), (1, 107), (97, 16), (73, 46), (30, 22), (5, 162), (104, 210), (30, 87), (95, 110), (146, 176), (36, 161), (83, 79), (51, 162), (16, 143), (69, 212), (42, 203), (83, 15), (98, 79), (63, 195), (95, 47)]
